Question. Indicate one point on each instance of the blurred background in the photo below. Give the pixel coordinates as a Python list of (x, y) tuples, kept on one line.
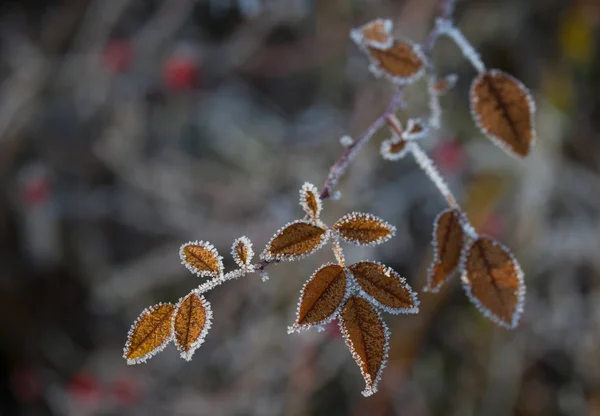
[(128, 127)]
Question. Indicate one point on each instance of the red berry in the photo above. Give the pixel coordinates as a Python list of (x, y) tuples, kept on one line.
[(36, 191), (84, 387), (125, 392), (449, 156), (118, 56), (180, 73)]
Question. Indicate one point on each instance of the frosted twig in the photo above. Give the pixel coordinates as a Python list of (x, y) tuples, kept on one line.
[(445, 27)]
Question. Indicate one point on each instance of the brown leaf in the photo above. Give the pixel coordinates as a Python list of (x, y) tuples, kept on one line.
[(385, 288), (363, 229), (504, 111), (376, 33), (294, 241), (448, 244), (415, 129), (310, 201), (242, 252), (149, 334), (367, 338), (402, 63), (494, 282), (441, 86), (191, 322), (393, 149), (201, 258), (321, 297)]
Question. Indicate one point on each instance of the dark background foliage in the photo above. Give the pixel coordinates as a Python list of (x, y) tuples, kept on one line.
[(128, 127)]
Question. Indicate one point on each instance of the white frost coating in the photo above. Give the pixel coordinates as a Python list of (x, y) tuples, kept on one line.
[(386, 150), (217, 281), (187, 355), (156, 350), (208, 246), (531, 104), (436, 260), (379, 72), (296, 327), (266, 255), (264, 276), (446, 27), (356, 215), (401, 280), (357, 35), (427, 166), (334, 175), (368, 391), (346, 141), (435, 109), (408, 135), (336, 196), (520, 292), (249, 251), (307, 189)]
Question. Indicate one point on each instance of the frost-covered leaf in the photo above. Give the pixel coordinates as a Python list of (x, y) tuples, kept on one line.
[(384, 287), (310, 201), (321, 297), (494, 282), (191, 322), (363, 229), (367, 337), (441, 86), (294, 241), (376, 33), (402, 63), (242, 252), (448, 248), (201, 258), (415, 129), (393, 149), (149, 334), (504, 111)]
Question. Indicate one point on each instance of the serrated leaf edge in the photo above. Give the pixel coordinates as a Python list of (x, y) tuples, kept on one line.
[(520, 292), (378, 305), (156, 350), (201, 273), (495, 139), (187, 355)]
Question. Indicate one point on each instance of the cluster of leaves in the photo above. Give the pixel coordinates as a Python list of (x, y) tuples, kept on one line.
[(355, 295), (503, 110), (187, 322)]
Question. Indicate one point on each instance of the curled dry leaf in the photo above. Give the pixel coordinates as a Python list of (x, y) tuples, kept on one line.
[(494, 282), (363, 229), (402, 63), (367, 338), (449, 240), (242, 252), (149, 334), (441, 86), (321, 297), (294, 241), (504, 111), (191, 322), (376, 33), (384, 287), (415, 129), (393, 149), (201, 258), (310, 201)]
